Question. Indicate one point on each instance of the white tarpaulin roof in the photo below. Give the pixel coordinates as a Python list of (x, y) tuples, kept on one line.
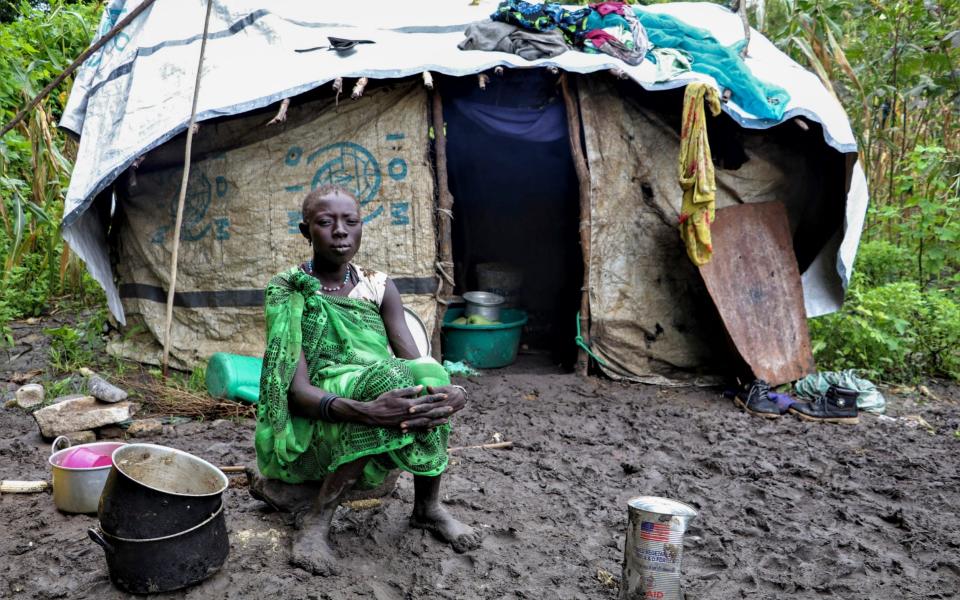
[(136, 93)]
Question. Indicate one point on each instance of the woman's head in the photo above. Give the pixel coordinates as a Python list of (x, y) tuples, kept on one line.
[(332, 225)]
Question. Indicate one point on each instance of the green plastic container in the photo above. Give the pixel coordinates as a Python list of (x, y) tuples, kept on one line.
[(483, 346), (234, 376), (428, 373)]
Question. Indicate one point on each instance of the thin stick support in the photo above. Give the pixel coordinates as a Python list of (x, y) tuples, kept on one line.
[(183, 195), (583, 177), (444, 220)]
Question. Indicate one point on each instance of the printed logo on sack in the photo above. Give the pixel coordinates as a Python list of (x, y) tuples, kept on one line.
[(355, 168), (350, 166), (202, 194)]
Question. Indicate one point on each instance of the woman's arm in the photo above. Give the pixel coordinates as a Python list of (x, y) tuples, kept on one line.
[(400, 409), (391, 311)]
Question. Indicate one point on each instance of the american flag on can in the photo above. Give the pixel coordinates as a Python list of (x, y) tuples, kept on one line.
[(654, 532)]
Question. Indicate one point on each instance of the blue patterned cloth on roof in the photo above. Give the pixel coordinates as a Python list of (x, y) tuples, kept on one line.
[(544, 17)]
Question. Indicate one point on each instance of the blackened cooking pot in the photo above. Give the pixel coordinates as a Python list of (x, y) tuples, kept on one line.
[(154, 491), (166, 563)]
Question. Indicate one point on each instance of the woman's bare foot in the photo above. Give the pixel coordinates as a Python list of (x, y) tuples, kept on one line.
[(283, 497), (311, 546), (437, 520)]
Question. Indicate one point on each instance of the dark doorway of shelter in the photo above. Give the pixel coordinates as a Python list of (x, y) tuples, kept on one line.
[(516, 197)]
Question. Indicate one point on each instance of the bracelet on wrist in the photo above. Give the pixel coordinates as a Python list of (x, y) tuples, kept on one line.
[(325, 408)]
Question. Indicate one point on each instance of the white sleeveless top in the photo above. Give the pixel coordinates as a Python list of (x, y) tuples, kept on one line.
[(371, 285)]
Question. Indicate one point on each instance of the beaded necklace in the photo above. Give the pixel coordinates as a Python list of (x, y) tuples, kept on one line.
[(346, 279)]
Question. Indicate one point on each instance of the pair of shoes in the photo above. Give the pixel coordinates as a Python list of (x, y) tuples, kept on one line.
[(838, 405), (756, 400)]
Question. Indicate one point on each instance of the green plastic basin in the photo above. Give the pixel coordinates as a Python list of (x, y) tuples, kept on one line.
[(483, 346)]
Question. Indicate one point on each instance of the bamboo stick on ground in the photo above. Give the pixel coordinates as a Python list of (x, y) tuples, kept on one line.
[(10, 486), (495, 446)]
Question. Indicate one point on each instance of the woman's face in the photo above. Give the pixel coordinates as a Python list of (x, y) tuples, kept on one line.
[(333, 225)]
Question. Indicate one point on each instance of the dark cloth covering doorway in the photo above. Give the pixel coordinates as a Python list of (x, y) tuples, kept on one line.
[(516, 196)]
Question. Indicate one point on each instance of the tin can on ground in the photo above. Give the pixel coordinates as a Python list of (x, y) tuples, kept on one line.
[(653, 550)]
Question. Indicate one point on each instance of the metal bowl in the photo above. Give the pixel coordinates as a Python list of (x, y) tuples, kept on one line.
[(77, 490), (484, 304)]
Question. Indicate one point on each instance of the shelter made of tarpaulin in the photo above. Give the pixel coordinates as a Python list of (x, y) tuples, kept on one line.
[(131, 102)]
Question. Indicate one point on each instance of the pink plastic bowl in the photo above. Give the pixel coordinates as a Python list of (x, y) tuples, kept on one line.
[(83, 458)]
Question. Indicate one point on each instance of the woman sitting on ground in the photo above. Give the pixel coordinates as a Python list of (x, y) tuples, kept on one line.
[(335, 404)]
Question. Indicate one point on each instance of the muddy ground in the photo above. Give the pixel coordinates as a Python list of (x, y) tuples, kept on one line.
[(787, 509)]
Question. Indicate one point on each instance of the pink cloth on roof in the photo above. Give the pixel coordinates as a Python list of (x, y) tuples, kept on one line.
[(598, 37), (605, 8)]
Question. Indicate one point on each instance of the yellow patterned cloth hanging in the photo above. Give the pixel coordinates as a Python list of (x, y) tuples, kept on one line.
[(696, 172)]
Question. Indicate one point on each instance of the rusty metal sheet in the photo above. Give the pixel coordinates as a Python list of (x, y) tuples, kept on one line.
[(755, 283)]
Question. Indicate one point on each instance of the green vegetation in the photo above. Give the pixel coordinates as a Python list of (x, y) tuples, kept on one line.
[(892, 64), (74, 347), (35, 161)]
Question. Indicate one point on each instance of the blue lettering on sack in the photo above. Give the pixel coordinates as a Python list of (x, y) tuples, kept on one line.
[(399, 213), (221, 228), (397, 169), (293, 221), (293, 156)]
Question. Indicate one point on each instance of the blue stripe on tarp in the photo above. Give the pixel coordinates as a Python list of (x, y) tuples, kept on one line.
[(245, 297), (242, 24)]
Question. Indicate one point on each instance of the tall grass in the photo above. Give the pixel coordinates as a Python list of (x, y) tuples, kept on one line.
[(36, 159)]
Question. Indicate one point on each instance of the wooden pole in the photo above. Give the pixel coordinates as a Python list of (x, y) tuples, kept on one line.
[(444, 221), (583, 177), (76, 63), (183, 195)]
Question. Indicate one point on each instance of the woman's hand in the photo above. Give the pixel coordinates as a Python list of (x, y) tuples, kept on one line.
[(403, 409), (456, 397)]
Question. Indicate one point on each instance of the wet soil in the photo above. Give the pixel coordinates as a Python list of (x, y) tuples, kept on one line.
[(788, 509)]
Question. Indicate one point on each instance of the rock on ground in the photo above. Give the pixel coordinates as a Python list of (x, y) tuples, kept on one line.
[(79, 414), (145, 428), (30, 395), (103, 390)]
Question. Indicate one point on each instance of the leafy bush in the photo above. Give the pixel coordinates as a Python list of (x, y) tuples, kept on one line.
[(74, 347), (894, 332), (880, 262), (35, 157)]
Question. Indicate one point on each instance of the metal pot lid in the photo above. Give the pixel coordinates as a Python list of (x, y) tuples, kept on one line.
[(663, 506), (483, 298)]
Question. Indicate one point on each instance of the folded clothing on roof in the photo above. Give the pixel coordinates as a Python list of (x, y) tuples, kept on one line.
[(723, 63), (618, 34), (629, 34), (544, 17), (670, 62), (505, 37)]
